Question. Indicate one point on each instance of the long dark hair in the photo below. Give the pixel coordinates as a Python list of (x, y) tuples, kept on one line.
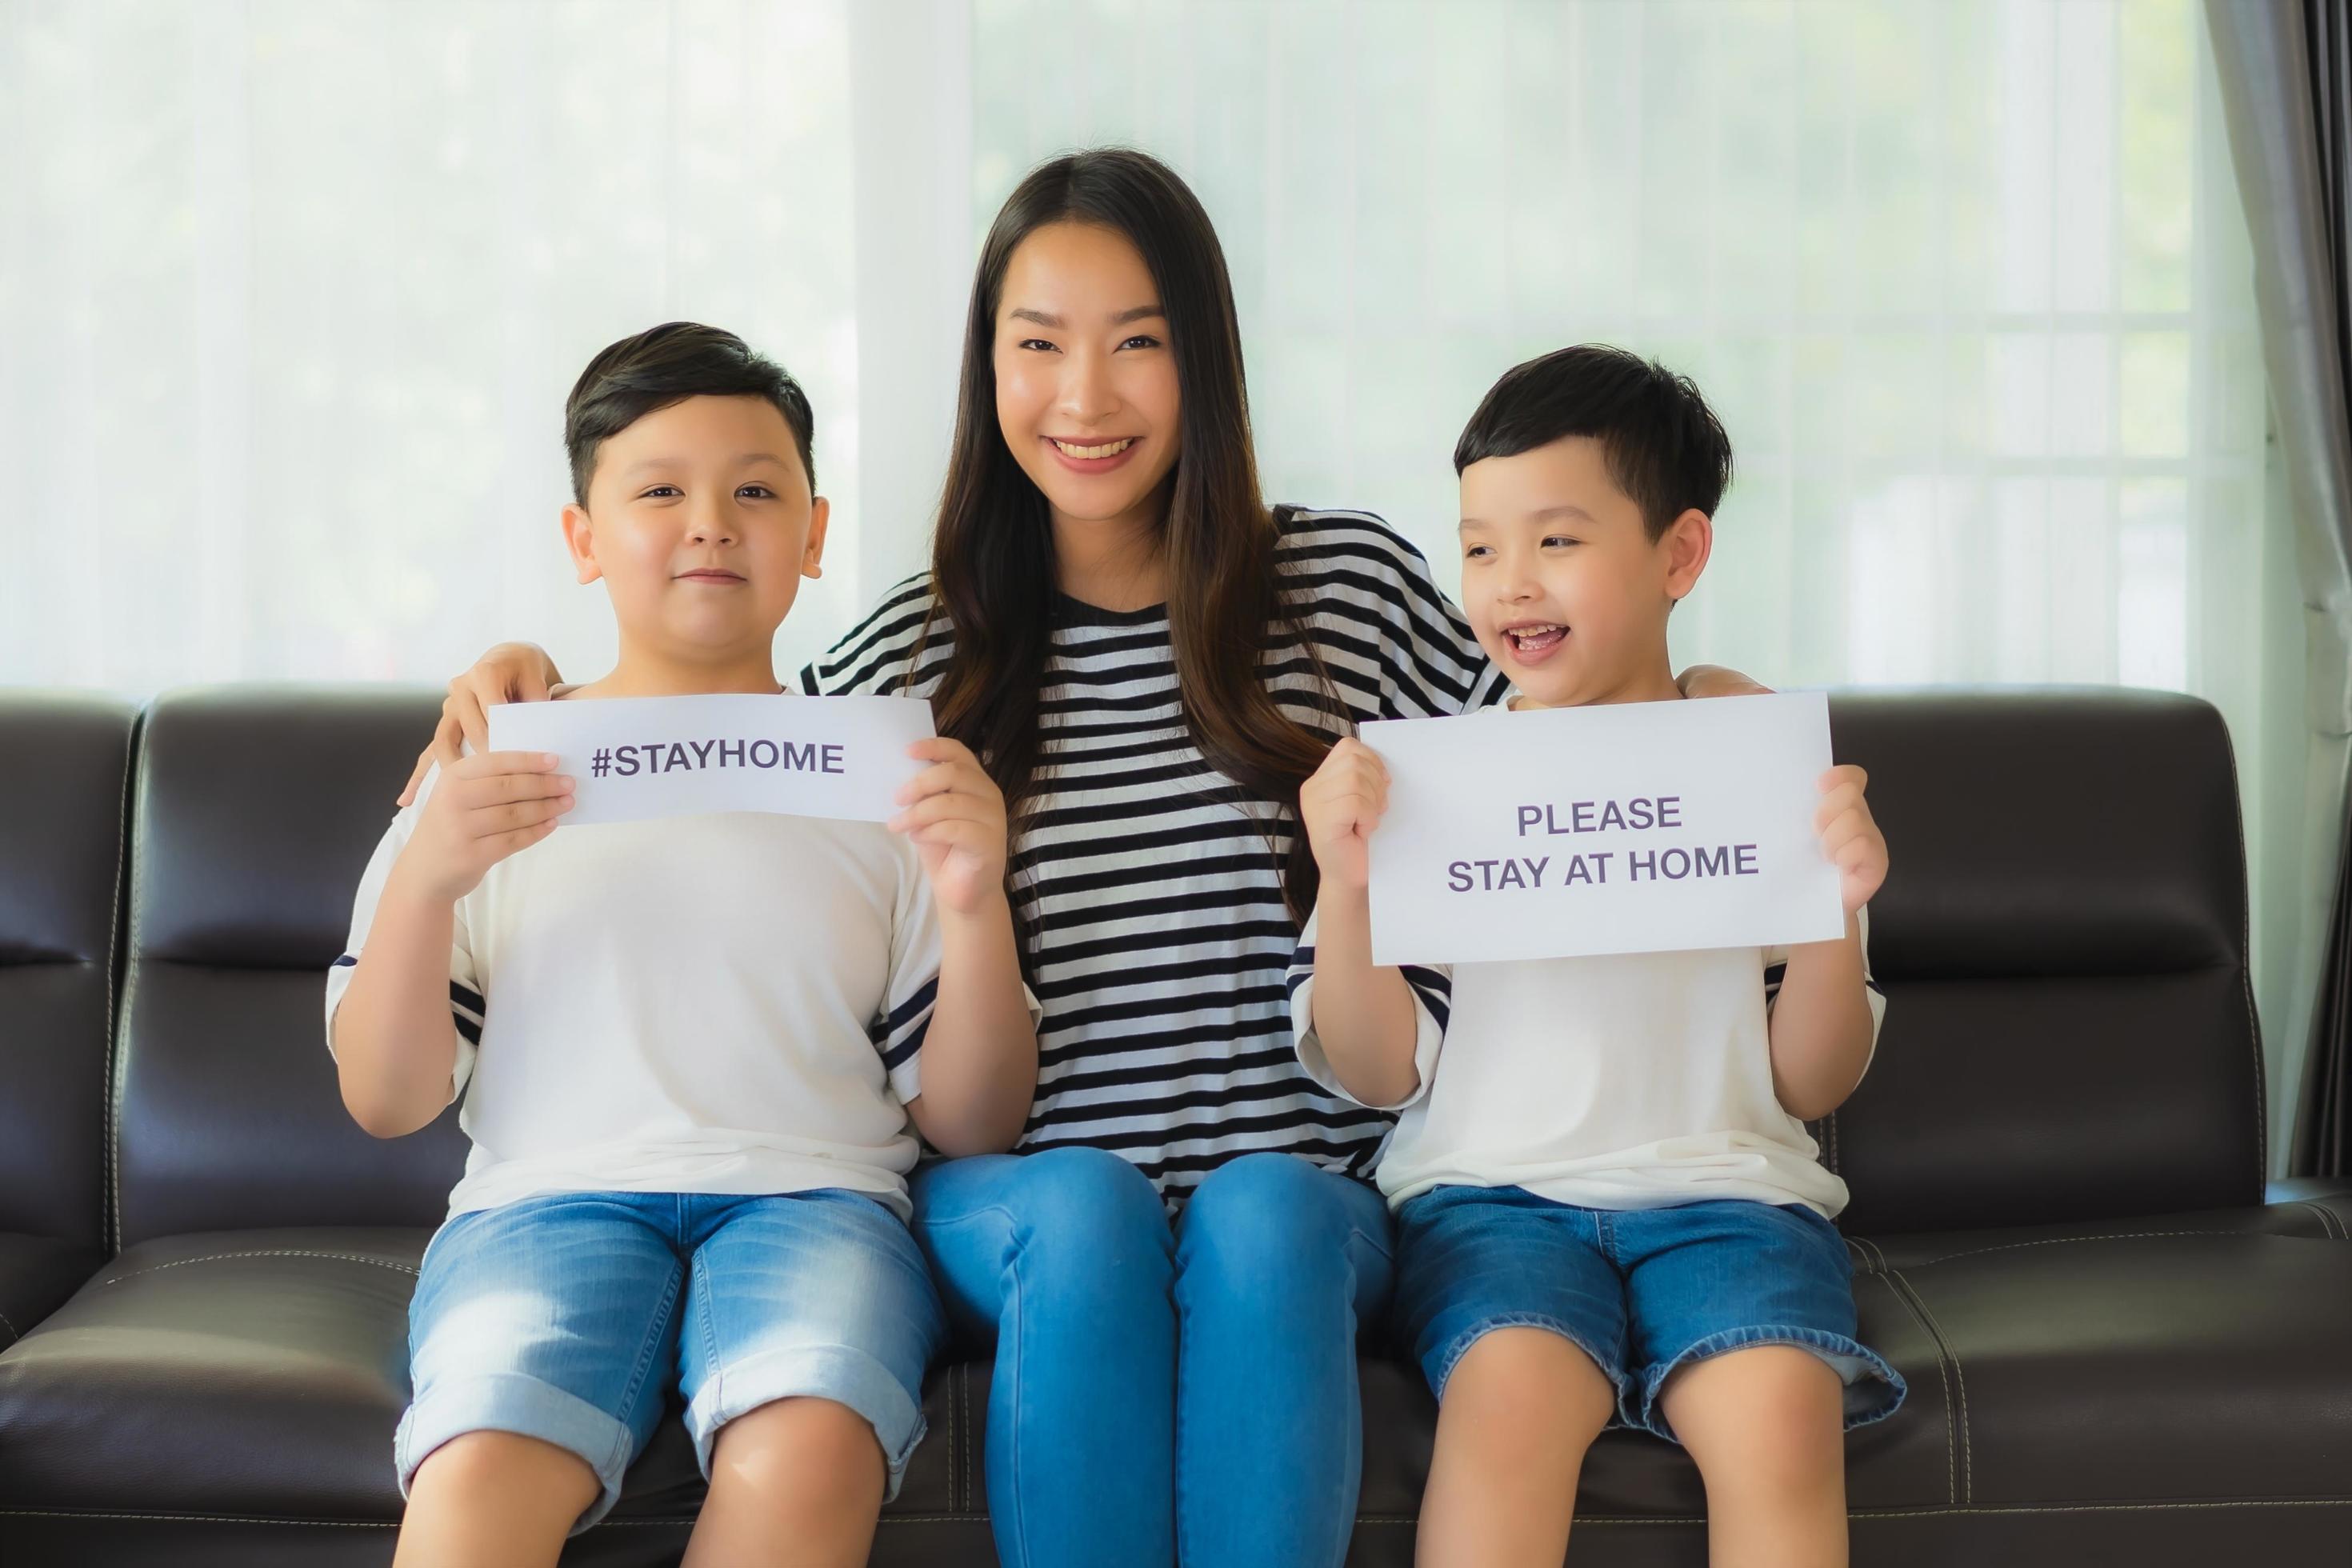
[(992, 554)]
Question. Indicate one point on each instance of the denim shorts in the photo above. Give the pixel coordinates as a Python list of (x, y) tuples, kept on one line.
[(1641, 1291), (569, 1317)]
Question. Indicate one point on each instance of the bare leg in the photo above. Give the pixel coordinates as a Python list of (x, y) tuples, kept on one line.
[(1520, 1409), (1767, 1426), (795, 1483), (497, 1500)]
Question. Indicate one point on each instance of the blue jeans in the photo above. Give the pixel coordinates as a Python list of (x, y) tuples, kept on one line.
[(1643, 1292), (1163, 1394), (567, 1318)]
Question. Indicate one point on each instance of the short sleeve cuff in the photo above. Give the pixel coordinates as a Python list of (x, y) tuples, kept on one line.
[(1429, 1034)]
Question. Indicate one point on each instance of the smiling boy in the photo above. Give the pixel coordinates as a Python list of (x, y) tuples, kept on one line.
[(694, 1053), (1609, 1208)]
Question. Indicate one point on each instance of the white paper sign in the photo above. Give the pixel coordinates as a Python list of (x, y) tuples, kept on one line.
[(639, 757), (1627, 827)]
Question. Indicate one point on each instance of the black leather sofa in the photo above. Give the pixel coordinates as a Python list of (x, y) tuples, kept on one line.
[(2120, 1348)]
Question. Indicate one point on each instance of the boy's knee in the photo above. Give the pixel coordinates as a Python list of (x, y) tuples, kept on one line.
[(1514, 1383), (507, 1464), (1768, 1408), (824, 1446)]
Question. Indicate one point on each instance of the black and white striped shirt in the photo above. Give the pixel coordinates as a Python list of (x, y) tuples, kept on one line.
[(1155, 882)]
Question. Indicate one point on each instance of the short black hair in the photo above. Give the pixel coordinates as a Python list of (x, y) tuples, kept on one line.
[(1663, 445), (666, 364)]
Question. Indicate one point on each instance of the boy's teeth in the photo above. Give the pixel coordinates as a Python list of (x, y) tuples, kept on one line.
[(1112, 450)]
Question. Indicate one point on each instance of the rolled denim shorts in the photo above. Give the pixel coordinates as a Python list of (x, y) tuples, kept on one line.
[(1641, 1291), (569, 1317)]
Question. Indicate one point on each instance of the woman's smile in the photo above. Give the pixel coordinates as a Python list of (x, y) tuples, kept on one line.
[(1098, 456)]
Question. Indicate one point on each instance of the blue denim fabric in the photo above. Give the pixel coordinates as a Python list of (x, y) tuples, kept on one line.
[(567, 1318), (1162, 1394), (1641, 1291)]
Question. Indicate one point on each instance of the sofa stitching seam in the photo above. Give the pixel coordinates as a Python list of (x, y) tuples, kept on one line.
[(276, 1252), (1967, 1456), (1951, 1473), (2074, 1240)]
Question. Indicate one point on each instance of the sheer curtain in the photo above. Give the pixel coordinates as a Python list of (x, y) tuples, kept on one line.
[(290, 292)]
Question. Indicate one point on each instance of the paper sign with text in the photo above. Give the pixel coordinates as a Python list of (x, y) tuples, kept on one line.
[(639, 757), (1625, 827)]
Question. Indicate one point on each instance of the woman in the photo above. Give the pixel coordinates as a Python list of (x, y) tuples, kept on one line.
[(1149, 662)]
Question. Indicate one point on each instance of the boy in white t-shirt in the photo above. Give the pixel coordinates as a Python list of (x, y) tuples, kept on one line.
[(1608, 1205), (690, 1049)]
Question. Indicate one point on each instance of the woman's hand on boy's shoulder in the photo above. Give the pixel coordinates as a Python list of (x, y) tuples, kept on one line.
[(954, 815), (1715, 680), (511, 672), (1850, 835)]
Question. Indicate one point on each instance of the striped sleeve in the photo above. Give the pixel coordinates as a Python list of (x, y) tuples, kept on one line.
[(901, 646), (1392, 641), (1776, 968), (1432, 1000), (467, 1006), (912, 990)]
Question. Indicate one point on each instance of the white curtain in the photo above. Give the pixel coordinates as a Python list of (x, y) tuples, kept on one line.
[(292, 292)]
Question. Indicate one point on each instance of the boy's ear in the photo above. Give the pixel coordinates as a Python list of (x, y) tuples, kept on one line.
[(1688, 541), (580, 538), (811, 557)]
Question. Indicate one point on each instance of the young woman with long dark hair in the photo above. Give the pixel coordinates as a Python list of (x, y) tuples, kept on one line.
[(1148, 661)]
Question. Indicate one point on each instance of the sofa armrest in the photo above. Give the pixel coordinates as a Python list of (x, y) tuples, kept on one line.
[(2330, 1195)]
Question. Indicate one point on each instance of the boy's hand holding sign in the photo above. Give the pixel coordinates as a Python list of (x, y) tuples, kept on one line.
[(1629, 827), (481, 811)]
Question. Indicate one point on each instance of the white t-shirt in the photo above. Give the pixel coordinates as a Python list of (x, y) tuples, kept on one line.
[(732, 1003), (1626, 1082)]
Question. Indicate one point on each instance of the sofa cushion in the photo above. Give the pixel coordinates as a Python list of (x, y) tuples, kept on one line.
[(36, 1272), (2149, 1364), (2210, 1359), (257, 1376), (262, 1373), (240, 1371), (255, 811), (2285, 1215), (2070, 1025)]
